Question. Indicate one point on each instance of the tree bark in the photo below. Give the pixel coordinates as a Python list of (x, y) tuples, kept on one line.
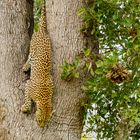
[(15, 31), (123, 130), (64, 28)]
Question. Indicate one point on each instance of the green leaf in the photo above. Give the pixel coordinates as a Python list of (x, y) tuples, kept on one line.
[(76, 75), (86, 52)]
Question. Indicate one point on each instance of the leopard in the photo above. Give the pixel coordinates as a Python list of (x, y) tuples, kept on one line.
[(39, 87)]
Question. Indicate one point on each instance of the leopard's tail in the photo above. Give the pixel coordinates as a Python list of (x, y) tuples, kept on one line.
[(42, 23)]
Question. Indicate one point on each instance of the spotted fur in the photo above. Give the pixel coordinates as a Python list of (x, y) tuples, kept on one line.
[(39, 88)]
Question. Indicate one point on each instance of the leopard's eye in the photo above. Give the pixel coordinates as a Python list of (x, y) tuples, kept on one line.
[(39, 120)]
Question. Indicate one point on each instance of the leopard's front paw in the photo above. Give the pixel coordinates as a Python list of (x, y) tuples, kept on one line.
[(25, 109)]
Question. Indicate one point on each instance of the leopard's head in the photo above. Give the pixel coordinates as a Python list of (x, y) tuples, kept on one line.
[(42, 117)]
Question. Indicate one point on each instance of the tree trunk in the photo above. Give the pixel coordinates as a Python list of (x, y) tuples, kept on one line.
[(15, 32), (123, 130), (64, 28)]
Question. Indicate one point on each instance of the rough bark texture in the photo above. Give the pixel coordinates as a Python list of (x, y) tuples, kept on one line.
[(15, 32)]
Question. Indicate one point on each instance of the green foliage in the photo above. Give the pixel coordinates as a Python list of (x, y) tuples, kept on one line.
[(69, 70), (117, 29), (88, 16), (84, 138), (115, 23), (81, 66), (112, 101), (112, 20)]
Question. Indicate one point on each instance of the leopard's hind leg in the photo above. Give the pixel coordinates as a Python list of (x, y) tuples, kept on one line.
[(26, 107)]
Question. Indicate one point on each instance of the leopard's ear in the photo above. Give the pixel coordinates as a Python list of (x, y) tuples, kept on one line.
[(53, 112), (50, 115)]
